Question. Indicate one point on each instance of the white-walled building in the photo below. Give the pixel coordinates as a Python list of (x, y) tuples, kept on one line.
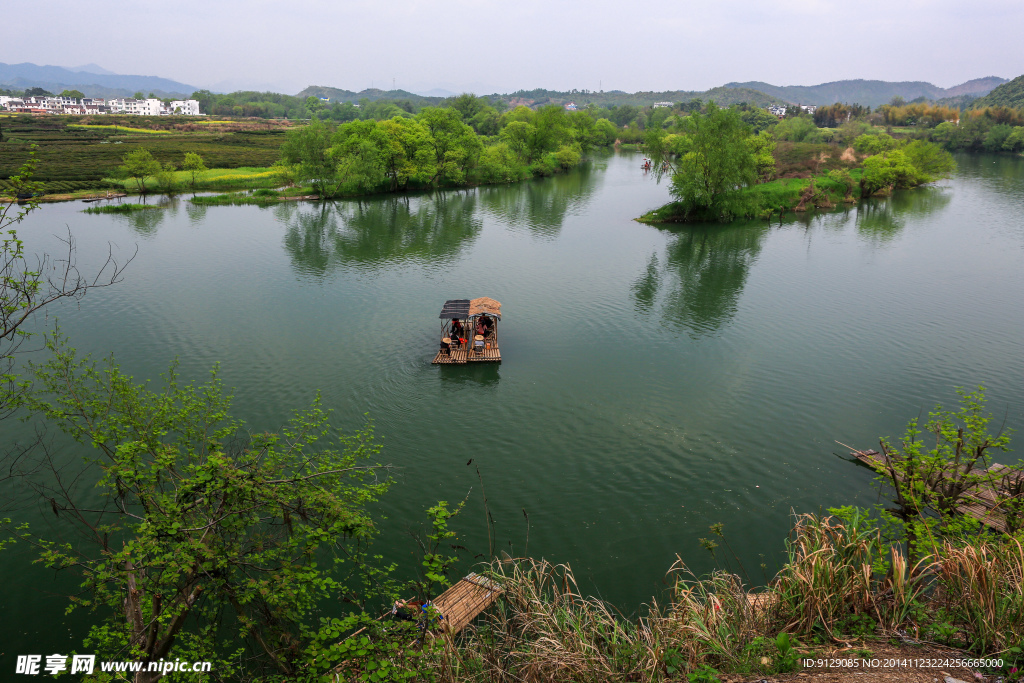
[(95, 105), (185, 107)]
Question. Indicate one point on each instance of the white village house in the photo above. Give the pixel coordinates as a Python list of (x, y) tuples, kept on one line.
[(95, 105)]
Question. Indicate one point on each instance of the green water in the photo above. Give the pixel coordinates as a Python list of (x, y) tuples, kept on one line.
[(654, 381)]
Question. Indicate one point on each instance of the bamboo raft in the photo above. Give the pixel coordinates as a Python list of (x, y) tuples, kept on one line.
[(983, 498), (464, 601), (456, 357), (485, 350)]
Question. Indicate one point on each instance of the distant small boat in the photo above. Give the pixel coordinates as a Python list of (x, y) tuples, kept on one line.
[(469, 332)]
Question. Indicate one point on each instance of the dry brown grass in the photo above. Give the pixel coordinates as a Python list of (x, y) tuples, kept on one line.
[(543, 629)]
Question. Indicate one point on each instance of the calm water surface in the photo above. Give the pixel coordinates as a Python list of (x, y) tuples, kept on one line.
[(654, 381)]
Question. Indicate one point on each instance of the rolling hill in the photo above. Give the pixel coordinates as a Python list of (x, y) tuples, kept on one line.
[(1009, 94), (869, 93)]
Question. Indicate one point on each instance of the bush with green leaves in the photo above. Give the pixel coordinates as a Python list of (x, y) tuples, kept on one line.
[(875, 143), (203, 540)]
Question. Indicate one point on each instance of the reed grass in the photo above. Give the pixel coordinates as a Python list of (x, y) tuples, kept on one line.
[(982, 586), (837, 574)]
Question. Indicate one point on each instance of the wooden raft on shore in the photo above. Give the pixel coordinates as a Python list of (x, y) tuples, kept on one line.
[(464, 601), (983, 497)]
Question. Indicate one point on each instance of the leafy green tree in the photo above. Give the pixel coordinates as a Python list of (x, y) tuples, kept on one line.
[(195, 166), (605, 132), (308, 148), (997, 135), (583, 130), (889, 171), (139, 165), (930, 484), (719, 164), (931, 161), (314, 105), (204, 532), (138, 95), (166, 178), (568, 156), (456, 146), (758, 119), (763, 147), (77, 94), (499, 163), (624, 115), (1014, 142), (358, 151), (796, 129), (875, 143), (468, 105), (487, 121), (518, 136)]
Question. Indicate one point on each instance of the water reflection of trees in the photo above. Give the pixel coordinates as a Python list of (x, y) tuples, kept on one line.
[(309, 236), (381, 230), (145, 222), (541, 205), (697, 284), (881, 220)]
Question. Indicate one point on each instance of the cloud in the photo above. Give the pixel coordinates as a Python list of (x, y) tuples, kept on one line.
[(662, 44)]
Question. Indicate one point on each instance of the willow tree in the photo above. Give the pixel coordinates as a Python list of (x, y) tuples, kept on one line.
[(719, 164)]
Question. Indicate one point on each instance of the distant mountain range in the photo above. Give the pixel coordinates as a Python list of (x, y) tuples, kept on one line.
[(869, 93), (95, 81), (92, 80)]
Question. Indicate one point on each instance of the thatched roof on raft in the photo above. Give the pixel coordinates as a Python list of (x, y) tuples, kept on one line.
[(487, 305)]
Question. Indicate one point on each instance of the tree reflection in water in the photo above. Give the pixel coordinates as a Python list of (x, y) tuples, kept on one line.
[(541, 205), (144, 223), (381, 231), (196, 213), (880, 221), (696, 286), (308, 238)]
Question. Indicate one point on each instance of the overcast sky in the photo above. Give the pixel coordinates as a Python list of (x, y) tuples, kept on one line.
[(490, 46)]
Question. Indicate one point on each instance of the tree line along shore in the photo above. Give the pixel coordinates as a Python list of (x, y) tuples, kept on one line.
[(833, 156)]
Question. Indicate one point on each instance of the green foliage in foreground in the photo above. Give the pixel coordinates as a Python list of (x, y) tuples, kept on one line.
[(206, 542)]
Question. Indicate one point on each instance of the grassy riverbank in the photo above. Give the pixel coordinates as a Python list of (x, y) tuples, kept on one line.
[(843, 594)]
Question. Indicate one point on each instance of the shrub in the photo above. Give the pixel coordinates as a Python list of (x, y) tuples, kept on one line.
[(875, 143)]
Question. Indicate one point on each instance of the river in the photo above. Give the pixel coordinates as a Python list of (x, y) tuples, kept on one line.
[(654, 381)]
